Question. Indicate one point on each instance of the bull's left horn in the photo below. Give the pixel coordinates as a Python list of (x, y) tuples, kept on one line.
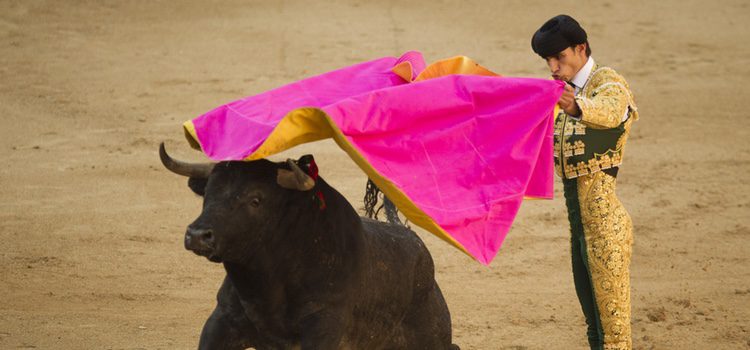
[(296, 179), (199, 170)]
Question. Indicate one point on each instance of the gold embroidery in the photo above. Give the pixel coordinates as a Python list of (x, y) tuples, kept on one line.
[(558, 126), (580, 129), (570, 172), (601, 101), (608, 231), (605, 99), (582, 169), (569, 126), (578, 147), (593, 165), (616, 160), (617, 346), (623, 138), (599, 162), (568, 149)]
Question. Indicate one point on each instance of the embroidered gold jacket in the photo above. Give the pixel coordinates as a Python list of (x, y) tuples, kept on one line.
[(596, 139)]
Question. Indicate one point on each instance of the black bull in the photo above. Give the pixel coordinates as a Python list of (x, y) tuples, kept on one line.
[(303, 269)]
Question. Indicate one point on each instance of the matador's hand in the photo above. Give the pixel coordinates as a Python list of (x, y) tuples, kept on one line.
[(568, 102)]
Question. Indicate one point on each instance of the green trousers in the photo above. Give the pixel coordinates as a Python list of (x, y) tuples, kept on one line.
[(601, 244)]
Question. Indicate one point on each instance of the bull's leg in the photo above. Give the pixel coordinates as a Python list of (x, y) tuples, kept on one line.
[(227, 327), (219, 332), (428, 323), (321, 330)]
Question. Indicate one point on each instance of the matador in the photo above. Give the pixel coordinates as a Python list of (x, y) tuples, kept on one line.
[(597, 110)]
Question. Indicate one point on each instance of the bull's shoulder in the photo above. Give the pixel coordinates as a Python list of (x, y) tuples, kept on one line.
[(398, 250)]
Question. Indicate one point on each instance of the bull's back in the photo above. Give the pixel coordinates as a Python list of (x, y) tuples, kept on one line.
[(395, 253)]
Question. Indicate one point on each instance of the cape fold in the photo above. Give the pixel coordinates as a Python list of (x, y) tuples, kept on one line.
[(455, 146)]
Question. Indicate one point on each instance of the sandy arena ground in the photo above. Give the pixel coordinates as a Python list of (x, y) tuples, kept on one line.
[(91, 224)]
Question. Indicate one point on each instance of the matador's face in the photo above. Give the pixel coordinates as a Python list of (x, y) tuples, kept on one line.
[(567, 63)]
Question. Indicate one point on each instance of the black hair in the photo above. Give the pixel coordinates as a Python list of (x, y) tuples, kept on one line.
[(588, 48)]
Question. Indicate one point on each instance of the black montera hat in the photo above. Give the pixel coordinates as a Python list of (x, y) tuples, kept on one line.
[(556, 35)]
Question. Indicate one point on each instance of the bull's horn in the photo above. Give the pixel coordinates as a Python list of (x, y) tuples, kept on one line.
[(296, 179), (199, 170)]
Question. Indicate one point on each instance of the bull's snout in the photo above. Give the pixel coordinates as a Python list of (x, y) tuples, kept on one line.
[(199, 240)]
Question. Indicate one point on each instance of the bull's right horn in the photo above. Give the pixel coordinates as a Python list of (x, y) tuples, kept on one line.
[(294, 179), (199, 170)]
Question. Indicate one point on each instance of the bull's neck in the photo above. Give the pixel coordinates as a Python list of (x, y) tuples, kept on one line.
[(328, 225), (309, 241)]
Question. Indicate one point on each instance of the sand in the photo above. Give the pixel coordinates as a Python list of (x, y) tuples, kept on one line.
[(91, 224)]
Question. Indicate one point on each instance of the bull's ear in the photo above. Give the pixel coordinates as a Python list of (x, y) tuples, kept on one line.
[(198, 185), (307, 164)]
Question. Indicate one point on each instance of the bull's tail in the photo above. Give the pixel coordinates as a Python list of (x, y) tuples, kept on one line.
[(455, 347)]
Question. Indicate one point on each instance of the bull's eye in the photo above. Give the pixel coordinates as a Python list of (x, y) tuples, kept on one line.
[(255, 202)]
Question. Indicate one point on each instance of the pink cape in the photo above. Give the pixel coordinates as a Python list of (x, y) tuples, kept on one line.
[(457, 153)]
